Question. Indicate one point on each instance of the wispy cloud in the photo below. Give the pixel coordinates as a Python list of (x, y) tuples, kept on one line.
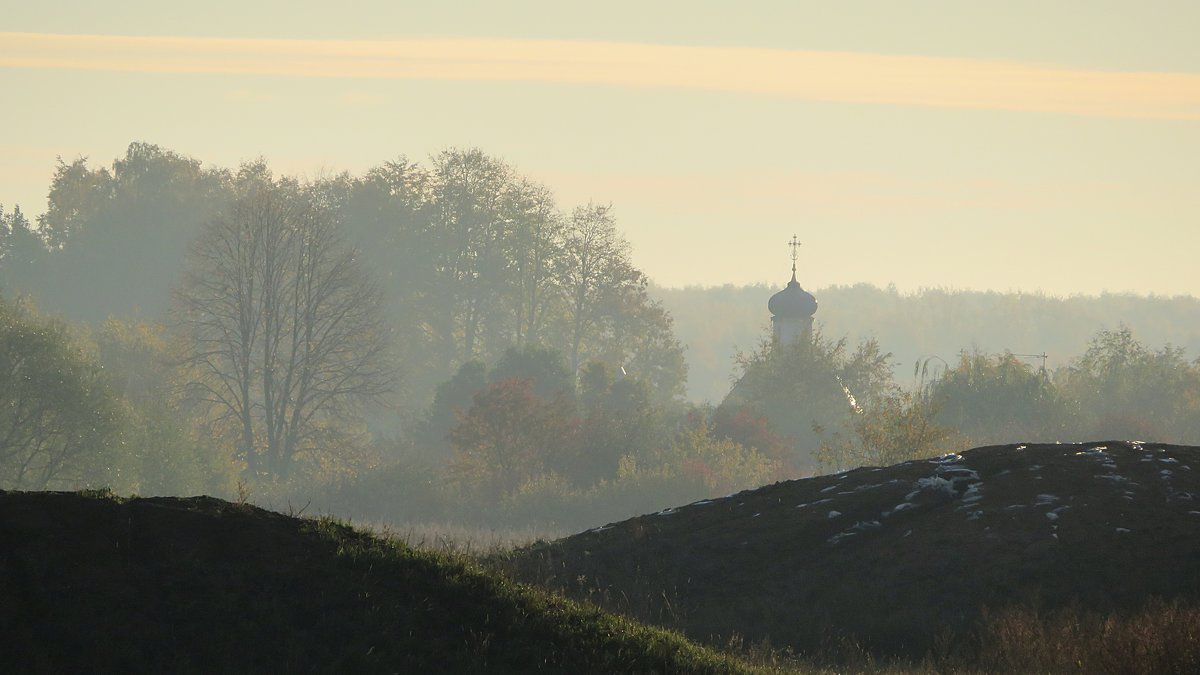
[(809, 75)]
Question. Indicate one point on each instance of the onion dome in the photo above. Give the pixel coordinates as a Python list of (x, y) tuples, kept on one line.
[(793, 302)]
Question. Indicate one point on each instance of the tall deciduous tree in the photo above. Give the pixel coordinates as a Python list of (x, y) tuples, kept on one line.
[(21, 247), (471, 222), (59, 421), (117, 238), (595, 273), (480, 259), (536, 243), (283, 324)]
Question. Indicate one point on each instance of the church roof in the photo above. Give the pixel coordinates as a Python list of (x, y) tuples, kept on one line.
[(793, 302)]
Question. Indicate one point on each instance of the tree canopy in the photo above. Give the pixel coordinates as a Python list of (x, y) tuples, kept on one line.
[(283, 326), (59, 422), (470, 256), (807, 388)]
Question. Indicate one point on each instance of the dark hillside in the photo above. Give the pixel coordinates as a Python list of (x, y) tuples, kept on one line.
[(897, 558), (89, 583)]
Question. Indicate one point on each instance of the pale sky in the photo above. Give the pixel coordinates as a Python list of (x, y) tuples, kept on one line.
[(1012, 145)]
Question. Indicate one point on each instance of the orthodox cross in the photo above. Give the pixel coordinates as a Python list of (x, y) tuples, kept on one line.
[(795, 244)]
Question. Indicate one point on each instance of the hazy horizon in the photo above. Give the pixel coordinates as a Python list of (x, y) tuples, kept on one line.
[(1000, 146)]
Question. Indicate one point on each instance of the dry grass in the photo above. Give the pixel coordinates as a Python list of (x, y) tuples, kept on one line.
[(1164, 637)]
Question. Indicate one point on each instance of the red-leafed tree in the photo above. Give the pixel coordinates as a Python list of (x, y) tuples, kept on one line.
[(510, 435), (752, 431)]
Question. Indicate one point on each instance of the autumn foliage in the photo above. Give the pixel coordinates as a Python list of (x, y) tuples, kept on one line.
[(509, 435)]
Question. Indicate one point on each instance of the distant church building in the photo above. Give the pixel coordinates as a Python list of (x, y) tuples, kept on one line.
[(788, 384), (792, 308)]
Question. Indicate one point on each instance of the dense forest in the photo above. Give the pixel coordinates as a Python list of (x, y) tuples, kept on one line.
[(443, 341)]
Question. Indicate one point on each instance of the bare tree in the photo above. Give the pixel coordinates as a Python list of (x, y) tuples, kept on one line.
[(471, 191), (535, 243), (595, 271), (285, 330)]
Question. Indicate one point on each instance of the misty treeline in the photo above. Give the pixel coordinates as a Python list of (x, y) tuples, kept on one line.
[(302, 332), (440, 341), (916, 326), (842, 409), (470, 257)]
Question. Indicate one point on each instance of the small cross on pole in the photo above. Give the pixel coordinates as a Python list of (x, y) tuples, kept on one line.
[(795, 244)]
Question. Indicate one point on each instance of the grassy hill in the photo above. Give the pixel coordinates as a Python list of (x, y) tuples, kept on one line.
[(91, 583), (925, 556), (1038, 558)]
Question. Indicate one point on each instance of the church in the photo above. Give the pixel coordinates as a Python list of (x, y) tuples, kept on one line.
[(789, 383), (792, 308)]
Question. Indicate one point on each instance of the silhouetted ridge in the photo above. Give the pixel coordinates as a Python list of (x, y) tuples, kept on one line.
[(894, 556), (95, 584)]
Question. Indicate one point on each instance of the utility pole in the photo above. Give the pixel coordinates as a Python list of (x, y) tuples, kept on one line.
[(1041, 356)]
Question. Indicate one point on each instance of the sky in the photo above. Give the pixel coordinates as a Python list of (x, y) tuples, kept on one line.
[(1006, 146)]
